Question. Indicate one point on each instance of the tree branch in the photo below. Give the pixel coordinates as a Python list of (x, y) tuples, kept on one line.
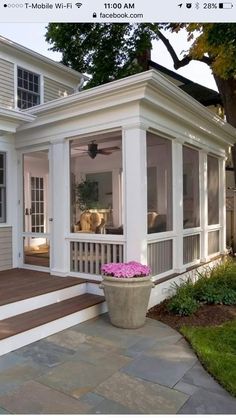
[(187, 58)]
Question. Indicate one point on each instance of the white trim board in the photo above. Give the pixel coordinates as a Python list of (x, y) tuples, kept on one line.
[(33, 303)]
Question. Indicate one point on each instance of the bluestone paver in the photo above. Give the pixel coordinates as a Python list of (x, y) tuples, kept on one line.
[(207, 402), (78, 377), (34, 398), (96, 368), (165, 367), (46, 353), (141, 396), (13, 377), (199, 377)]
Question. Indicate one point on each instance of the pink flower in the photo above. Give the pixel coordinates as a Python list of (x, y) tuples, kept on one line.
[(125, 270)]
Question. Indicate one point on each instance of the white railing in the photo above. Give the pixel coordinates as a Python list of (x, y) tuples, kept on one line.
[(88, 256)]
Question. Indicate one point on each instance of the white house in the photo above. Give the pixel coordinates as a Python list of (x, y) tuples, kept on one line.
[(152, 155)]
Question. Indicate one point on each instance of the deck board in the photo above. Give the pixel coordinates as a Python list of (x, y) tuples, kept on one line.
[(19, 284), (26, 321)]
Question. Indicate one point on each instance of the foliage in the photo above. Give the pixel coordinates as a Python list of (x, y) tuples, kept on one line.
[(213, 43), (215, 286), (109, 51), (183, 304), (216, 349), (86, 194), (125, 270), (105, 51)]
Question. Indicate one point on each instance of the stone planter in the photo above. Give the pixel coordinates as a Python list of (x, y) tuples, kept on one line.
[(127, 300)]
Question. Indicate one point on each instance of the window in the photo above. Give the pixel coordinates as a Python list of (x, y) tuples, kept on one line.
[(28, 89), (190, 188), (213, 189), (2, 187)]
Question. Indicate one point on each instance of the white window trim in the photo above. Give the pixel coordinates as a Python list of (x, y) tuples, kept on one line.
[(4, 187)]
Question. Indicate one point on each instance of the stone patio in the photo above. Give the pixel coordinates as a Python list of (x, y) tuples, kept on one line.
[(96, 368)]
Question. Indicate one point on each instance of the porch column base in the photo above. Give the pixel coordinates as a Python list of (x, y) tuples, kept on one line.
[(180, 270), (58, 273), (205, 260)]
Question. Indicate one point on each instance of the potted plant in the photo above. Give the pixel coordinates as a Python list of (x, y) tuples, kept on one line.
[(127, 288)]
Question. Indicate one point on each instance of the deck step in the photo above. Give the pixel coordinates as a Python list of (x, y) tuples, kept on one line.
[(26, 321), (21, 284), (34, 325)]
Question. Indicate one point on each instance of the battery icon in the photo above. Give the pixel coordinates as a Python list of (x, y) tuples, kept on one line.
[(225, 5)]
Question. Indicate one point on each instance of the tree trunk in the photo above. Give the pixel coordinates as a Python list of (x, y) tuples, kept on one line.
[(227, 90)]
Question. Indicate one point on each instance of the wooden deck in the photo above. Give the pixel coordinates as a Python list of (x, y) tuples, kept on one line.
[(19, 284)]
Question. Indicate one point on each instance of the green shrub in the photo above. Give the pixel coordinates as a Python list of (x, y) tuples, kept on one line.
[(229, 297), (214, 286), (184, 305)]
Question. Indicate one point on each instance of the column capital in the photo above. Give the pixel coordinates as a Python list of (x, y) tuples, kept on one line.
[(135, 125), (179, 140), (58, 140)]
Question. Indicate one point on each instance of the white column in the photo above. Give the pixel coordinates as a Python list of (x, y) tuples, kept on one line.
[(177, 176), (59, 192), (12, 203), (222, 205), (203, 206), (135, 192)]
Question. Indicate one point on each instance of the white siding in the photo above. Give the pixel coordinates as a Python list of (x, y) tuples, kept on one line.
[(6, 84), (5, 248), (54, 90)]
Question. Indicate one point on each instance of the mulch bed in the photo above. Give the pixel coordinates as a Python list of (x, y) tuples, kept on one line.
[(207, 315)]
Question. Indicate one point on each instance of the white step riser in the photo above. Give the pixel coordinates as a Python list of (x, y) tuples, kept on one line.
[(22, 339), (29, 304), (93, 288)]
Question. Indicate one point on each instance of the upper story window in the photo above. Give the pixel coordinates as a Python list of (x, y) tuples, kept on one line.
[(2, 187), (28, 89)]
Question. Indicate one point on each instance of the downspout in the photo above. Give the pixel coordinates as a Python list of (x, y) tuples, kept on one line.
[(80, 85)]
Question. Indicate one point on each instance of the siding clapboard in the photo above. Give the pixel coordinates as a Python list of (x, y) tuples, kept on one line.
[(5, 248), (54, 90), (6, 84)]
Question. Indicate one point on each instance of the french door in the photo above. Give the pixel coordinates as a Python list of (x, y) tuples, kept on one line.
[(36, 237)]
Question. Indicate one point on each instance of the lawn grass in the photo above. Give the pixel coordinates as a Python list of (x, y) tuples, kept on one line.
[(216, 349)]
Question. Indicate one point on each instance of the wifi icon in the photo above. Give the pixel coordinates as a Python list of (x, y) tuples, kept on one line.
[(78, 5)]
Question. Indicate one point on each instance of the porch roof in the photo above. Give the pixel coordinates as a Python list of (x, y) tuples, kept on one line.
[(11, 119), (147, 88)]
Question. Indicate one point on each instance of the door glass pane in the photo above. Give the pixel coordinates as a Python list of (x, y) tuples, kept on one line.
[(36, 251)]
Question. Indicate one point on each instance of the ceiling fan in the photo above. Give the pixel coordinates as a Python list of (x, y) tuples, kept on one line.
[(93, 150)]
